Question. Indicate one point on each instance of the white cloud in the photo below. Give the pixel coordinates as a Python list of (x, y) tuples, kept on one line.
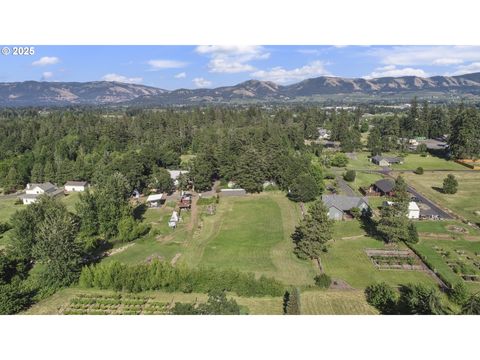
[(467, 69), (427, 55), (181, 75), (280, 75), (393, 71), (201, 82), (121, 78), (46, 75), (232, 59), (166, 64), (46, 60)]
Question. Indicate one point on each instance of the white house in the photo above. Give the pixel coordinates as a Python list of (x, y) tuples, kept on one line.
[(74, 186), (33, 191), (175, 174)]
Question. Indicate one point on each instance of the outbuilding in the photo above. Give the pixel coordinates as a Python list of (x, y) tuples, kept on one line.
[(75, 186)]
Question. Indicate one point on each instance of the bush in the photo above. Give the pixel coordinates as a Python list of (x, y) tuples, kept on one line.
[(458, 293), (450, 184), (323, 281), (129, 229), (418, 170), (383, 297), (163, 276), (339, 160), (350, 175)]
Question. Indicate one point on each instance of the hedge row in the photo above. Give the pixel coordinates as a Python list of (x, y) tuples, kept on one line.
[(431, 266), (163, 276)]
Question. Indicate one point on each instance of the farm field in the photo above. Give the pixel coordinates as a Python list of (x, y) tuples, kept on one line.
[(346, 260), (430, 162), (411, 162), (466, 202), (246, 233), (314, 302), (445, 241)]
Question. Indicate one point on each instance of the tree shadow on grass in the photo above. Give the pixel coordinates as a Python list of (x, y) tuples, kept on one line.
[(438, 189), (139, 211)]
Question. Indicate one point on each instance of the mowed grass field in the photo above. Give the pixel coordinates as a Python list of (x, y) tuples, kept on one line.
[(250, 233), (346, 260), (411, 162), (464, 203)]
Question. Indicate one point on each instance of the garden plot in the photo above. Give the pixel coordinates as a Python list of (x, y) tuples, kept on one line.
[(394, 259), (463, 263), (116, 304)]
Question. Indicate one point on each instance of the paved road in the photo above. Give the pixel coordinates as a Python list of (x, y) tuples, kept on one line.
[(434, 209), (12, 196), (345, 187)]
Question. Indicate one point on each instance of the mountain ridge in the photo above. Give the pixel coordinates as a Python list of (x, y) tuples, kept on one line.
[(43, 93)]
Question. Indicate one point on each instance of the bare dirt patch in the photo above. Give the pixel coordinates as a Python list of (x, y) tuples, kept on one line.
[(118, 250), (175, 258)]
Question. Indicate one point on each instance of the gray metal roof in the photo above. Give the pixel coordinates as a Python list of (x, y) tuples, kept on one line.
[(76, 183), (343, 202)]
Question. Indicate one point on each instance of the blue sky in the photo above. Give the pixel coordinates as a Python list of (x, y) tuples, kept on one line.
[(172, 67)]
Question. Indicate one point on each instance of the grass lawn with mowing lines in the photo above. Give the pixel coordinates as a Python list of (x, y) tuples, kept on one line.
[(335, 303), (430, 162), (465, 202), (248, 231)]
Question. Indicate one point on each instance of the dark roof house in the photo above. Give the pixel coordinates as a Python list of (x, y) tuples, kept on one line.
[(384, 186)]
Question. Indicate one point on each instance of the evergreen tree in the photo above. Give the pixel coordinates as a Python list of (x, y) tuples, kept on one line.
[(293, 305), (37, 173), (250, 171), (465, 134), (57, 249), (161, 180), (313, 233), (49, 172), (12, 181), (472, 305), (374, 142), (450, 184), (304, 188)]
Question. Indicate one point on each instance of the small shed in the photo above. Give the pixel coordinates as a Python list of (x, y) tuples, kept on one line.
[(155, 200), (233, 192), (173, 220), (75, 186)]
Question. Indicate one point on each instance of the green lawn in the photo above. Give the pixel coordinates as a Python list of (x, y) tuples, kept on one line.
[(252, 234), (335, 302), (347, 260), (162, 242), (8, 208), (412, 161), (466, 202)]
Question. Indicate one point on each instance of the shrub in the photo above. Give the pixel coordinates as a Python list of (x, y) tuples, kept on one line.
[(350, 175), (458, 293), (339, 160), (450, 184), (418, 170), (383, 297), (163, 276), (323, 281)]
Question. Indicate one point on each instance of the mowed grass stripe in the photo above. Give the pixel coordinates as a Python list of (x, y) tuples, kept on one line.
[(248, 231)]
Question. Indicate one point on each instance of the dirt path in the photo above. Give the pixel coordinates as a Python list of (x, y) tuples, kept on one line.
[(175, 258), (118, 250)]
